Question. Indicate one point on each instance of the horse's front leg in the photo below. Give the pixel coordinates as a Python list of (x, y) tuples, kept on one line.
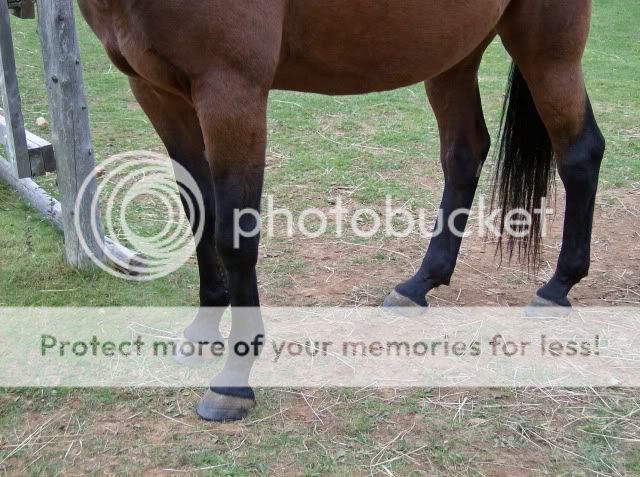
[(178, 125), (233, 117), (464, 143)]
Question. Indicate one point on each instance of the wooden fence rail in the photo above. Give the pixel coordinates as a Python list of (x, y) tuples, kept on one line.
[(22, 8)]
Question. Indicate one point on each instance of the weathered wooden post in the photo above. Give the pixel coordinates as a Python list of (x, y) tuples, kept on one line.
[(71, 136), (28, 154), (12, 125)]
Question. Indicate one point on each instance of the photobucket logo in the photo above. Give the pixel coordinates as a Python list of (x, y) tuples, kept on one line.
[(139, 194), (392, 222)]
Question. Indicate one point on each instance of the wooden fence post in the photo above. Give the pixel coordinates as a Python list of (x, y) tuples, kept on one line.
[(71, 136), (13, 131)]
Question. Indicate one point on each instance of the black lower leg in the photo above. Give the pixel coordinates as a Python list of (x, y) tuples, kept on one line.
[(464, 144), (461, 181), (579, 168), (213, 286), (237, 239), (214, 295)]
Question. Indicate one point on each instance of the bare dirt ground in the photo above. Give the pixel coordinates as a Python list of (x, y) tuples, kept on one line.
[(344, 272)]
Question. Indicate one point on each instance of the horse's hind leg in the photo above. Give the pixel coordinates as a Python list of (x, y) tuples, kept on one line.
[(549, 56), (464, 144), (178, 126)]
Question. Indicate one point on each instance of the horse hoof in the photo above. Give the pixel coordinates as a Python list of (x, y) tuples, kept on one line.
[(196, 355), (224, 408), (401, 305), (543, 308)]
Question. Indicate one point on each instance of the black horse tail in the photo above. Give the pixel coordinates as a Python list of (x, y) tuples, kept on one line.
[(524, 172)]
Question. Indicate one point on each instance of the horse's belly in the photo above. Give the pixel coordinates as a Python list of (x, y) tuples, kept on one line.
[(358, 46)]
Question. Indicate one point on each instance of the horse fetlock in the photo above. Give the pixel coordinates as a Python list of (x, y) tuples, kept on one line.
[(206, 325), (201, 331), (578, 270), (214, 295), (196, 354)]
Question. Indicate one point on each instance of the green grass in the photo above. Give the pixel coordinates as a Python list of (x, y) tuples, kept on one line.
[(372, 146), (34, 272), (466, 433)]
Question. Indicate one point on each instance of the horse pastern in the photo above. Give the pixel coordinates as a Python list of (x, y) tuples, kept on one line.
[(397, 303), (197, 354)]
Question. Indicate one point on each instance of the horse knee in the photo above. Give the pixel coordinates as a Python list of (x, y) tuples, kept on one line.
[(237, 236), (237, 252), (238, 221)]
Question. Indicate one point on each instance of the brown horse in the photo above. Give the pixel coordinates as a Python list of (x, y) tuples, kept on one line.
[(203, 70)]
